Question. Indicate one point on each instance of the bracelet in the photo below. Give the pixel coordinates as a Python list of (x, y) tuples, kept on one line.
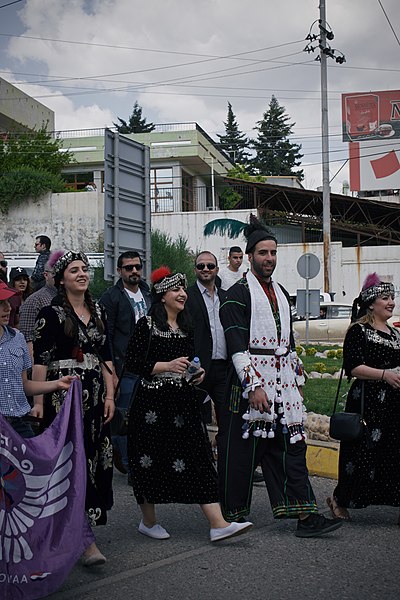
[(383, 374)]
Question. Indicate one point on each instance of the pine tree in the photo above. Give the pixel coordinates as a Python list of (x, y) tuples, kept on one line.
[(234, 142), (275, 154), (136, 124)]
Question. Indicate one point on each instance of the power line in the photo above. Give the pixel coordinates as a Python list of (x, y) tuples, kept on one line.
[(157, 51), (9, 4), (388, 20)]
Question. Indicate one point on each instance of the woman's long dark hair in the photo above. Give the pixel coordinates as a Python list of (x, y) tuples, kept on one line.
[(28, 290), (160, 316), (71, 324)]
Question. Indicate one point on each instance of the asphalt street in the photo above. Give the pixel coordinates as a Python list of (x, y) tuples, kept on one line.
[(358, 561)]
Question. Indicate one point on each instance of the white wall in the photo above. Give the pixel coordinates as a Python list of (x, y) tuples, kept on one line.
[(72, 220), (75, 220)]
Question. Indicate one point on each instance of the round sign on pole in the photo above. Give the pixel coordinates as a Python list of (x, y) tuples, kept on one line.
[(308, 266)]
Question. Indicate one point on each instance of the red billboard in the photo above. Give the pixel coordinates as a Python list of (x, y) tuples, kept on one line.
[(371, 116)]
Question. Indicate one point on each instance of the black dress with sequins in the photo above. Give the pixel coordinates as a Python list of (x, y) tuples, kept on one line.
[(169, 452), (369, 470)]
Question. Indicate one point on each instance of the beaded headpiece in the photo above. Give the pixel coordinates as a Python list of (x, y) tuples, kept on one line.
[(60, 259), (163, 280), (373, 292), (372, 288)]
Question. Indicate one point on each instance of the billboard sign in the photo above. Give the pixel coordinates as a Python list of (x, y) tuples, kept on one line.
[(374, 166), (371, 123), (371, 116), (127, 212)]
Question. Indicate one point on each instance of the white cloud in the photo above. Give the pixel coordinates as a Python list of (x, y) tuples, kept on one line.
[(212, 28)]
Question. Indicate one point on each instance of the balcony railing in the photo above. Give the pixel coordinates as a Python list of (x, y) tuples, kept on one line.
[(177, 199)]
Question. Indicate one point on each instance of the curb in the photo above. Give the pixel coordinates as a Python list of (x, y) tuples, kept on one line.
[(323, 458)]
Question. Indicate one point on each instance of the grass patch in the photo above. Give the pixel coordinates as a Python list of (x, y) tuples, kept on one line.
[(319, 395)]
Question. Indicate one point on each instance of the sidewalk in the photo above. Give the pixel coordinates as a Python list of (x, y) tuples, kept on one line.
[(360, 560)]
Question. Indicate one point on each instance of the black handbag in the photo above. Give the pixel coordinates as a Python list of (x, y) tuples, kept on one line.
[(347, 426)]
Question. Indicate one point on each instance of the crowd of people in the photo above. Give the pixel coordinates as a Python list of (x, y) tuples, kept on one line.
[(133, 349)]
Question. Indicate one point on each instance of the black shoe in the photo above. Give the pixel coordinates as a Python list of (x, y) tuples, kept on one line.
[(316, 525), (258, 477)]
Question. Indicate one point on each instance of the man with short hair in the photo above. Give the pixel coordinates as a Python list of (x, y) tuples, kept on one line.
[(3, 268), (125, 303), (203, 303), (42, 246), (232, 272), (33, 304), (262, 418)]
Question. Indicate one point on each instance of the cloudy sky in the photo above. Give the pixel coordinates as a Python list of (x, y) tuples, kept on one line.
[(183, 60)]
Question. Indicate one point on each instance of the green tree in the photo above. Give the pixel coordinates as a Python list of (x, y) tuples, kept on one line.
[(36, 149), (30, 166), (275, 154), (136, 123), (175, 254), (234, 142)]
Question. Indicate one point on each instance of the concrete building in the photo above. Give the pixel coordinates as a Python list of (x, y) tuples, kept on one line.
[(20, 112), (187, 168)]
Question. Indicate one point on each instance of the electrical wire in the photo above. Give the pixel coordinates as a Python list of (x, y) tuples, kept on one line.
[(388, 20)]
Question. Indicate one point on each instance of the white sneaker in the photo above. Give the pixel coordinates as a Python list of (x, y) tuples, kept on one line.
[(157, 532), (223, 533)]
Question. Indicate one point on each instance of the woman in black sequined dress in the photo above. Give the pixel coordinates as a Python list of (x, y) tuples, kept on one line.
[(170, 455), (369, 471)]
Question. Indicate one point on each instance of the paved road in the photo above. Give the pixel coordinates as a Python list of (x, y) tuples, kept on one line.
[(359, 561)]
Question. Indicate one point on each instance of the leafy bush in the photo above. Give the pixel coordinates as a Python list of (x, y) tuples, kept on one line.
[(299, 350), (27, 182), (173, 253), (331, 354), (310, 351), (339, 353), (320, 367)]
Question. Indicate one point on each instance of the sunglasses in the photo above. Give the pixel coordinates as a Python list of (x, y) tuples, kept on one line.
[(130, 268), (3, 263), (202, 266)]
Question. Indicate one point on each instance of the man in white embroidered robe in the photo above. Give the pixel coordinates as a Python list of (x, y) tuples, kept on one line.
[(262, 420)]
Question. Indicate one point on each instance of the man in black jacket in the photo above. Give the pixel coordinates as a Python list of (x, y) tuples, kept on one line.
[(209, 341), (125, 303)]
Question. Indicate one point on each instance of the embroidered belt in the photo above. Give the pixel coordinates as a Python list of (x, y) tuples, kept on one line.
[(267, 352), (89, 362)]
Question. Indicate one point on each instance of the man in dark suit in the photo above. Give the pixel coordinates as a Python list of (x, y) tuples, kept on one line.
[(203, 302), (125, 303)]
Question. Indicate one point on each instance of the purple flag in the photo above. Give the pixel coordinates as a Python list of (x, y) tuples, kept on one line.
[(42, 503)]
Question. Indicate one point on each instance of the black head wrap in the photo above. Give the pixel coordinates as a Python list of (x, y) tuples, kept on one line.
[(256, 232)]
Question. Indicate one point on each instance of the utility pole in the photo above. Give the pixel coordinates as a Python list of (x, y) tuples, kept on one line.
[(326, 192), (325, 33)]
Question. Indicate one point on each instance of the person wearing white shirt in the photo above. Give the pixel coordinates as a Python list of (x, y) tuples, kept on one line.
[(232, 272)]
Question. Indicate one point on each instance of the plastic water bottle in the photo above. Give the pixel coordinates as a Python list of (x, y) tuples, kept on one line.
[(192, 368)]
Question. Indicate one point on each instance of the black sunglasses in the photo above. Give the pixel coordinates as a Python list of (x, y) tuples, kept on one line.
[(3, 263), (130, 268), (202, 266)]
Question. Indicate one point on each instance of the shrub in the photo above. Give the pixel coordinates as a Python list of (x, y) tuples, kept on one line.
[(320, 367), (339, 353), (26, 182), (310, 351), (331, 354), (299, 350)]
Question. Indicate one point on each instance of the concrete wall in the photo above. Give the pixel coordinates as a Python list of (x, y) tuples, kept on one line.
[(72, 220), (75, 220)]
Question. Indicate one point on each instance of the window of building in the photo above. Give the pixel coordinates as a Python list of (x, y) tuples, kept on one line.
[(161, 190), (187, 192)]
